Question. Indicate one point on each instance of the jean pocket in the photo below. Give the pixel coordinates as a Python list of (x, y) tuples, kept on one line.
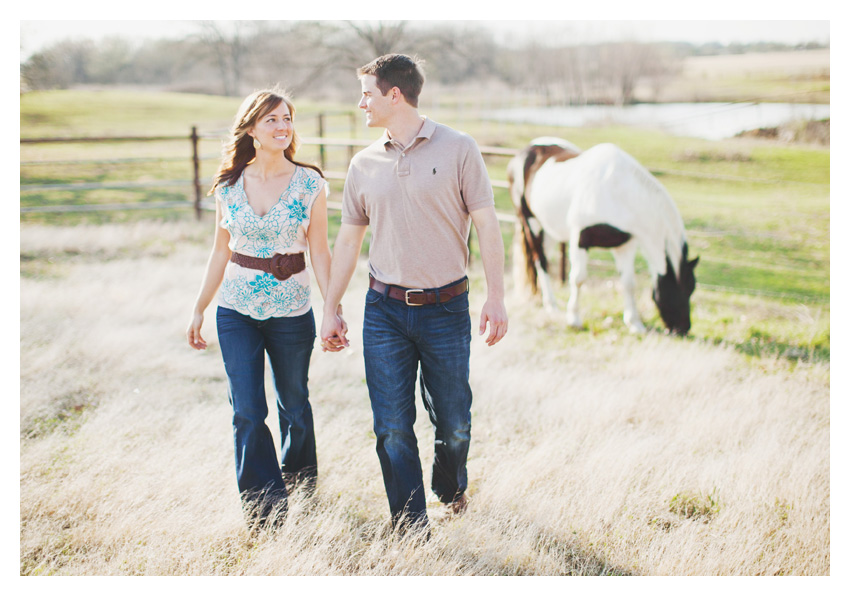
[(227, 318), (305, 324), (457, 304), (373, 296)]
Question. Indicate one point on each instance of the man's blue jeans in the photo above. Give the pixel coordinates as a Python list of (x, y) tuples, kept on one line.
[(435, 339), (288, 341)]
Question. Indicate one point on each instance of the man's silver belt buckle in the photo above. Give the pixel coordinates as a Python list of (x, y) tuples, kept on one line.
[(407, 297)]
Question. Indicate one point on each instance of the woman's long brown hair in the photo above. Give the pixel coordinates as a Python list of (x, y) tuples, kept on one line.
[(239, 150)]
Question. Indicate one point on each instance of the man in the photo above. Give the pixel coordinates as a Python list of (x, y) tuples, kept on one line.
[(417, 187)]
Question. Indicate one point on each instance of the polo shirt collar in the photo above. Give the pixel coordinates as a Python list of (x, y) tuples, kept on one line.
[(428, 128)]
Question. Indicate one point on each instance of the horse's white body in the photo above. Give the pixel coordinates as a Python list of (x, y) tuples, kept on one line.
[(602, 185)]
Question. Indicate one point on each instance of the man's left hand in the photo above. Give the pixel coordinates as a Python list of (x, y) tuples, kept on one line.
[(496, 314)]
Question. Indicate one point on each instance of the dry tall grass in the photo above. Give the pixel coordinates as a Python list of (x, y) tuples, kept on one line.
[(590, 455)]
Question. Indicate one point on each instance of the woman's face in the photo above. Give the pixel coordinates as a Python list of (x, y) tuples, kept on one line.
[(274, 130)]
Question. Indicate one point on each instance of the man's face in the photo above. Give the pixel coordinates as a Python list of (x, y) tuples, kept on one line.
[(378, 107)]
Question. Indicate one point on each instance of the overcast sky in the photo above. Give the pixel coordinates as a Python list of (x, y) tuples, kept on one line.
[(35, 34)]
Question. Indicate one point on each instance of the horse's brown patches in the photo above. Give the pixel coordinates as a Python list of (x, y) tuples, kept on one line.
[(602, 236), (566, 154), (537, 156)]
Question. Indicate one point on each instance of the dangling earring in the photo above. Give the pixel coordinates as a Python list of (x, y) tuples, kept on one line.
[(257, 145)]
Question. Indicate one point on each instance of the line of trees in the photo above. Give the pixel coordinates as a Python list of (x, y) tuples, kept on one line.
[(318, 59)]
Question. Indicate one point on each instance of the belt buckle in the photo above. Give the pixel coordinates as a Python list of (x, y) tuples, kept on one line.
[(276, 263), (407, 297)]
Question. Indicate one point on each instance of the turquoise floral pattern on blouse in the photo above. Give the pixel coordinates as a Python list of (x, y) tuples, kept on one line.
[(282, 230), (265, 296)]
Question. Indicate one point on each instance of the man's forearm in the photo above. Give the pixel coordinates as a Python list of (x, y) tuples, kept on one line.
[(344, 261), (492, 251)]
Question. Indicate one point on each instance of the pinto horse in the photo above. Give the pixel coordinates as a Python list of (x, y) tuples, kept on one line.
[(603, 198)]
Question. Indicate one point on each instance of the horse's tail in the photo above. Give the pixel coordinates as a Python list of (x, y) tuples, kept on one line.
[(532, 245)]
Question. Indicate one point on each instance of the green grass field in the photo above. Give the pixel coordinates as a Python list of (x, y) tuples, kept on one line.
[(757, 213)]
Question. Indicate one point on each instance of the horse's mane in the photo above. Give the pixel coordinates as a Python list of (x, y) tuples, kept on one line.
[(657, 199), (555, 141)]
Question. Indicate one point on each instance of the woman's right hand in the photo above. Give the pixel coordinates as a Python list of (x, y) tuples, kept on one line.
[(193, 333), (333, 333)]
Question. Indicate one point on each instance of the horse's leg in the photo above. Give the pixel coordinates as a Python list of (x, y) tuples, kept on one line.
[(578, 273), (624, 257), (544, 282)]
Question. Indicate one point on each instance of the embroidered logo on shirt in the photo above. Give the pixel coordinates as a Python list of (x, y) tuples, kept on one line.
[(435, 171)]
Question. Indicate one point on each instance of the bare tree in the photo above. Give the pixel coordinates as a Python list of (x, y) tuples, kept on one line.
[(661, 71), (113, 60), (382, 39), (624, 65), (59, 66), (230, 51), (298, 54), (604, 73), (359, 42)]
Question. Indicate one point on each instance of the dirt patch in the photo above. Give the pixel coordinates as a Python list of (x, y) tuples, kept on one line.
[(807, 132)]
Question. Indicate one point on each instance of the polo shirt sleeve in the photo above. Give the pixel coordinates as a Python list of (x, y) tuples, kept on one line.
[(353, 201), (476, 189)]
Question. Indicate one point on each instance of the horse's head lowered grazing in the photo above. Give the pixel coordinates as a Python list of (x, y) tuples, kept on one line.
[(672, 293)]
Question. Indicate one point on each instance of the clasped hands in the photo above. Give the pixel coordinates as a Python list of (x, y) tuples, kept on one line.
[(333, 333)]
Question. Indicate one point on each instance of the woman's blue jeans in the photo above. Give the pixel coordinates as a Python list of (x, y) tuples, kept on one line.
[(288, 341), (398, 341)]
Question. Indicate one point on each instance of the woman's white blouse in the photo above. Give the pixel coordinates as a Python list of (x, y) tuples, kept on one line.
[(283, 230)]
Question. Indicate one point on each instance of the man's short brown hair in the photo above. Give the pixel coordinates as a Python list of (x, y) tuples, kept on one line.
[(397, 70)]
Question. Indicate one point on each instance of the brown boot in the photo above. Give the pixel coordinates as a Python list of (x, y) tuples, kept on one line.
[(459, 505)]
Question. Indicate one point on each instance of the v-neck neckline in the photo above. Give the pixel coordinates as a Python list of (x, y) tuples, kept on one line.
[(279, 198)]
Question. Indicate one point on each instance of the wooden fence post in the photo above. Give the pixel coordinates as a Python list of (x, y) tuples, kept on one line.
[(353, 119), (196, 165), (321, 117)]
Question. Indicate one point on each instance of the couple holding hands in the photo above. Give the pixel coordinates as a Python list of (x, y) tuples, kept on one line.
[(417, 188)]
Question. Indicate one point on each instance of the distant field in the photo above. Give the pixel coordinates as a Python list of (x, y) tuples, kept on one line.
[(797, 77), (808, 63)]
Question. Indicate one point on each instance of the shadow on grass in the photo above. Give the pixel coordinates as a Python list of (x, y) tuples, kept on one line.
[(550, 554)]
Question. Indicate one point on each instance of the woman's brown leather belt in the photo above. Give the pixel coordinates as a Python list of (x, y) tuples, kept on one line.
[(281, 266), (412, 297)]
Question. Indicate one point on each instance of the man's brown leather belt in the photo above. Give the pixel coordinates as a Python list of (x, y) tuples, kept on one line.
[(413, 297), (281, 266)]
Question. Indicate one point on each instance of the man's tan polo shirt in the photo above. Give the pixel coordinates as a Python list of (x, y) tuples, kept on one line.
[(417, 200)]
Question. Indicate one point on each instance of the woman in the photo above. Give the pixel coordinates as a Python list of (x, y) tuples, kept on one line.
[(270, 209)]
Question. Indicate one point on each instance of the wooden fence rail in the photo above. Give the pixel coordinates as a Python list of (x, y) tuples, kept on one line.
[(197, 183)]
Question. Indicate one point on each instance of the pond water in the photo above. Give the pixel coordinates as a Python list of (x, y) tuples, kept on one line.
[(703, 120)]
